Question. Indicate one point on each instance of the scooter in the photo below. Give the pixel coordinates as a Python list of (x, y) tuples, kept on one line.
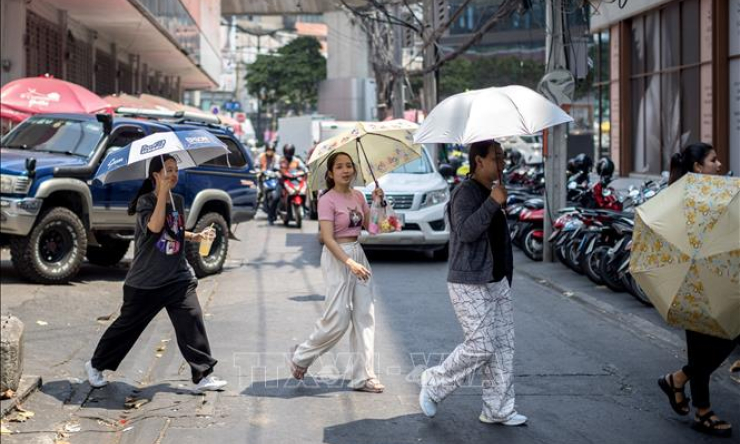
[(293, 197), (267, 181)]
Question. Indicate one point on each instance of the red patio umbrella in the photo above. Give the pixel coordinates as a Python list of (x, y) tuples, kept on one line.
[(127, 101), (33, 95), (11, 114)]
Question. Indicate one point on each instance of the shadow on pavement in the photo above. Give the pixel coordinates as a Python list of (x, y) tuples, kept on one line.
[(88, 273), (417, 428), (291, 388), (117, 395)]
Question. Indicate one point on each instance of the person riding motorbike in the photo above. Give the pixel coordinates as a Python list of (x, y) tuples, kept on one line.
[(288, 163), (267, 160)]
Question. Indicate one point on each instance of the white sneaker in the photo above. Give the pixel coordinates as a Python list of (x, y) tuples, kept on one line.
[(94, 376), (427, 404), (210, 383), (514, 420)]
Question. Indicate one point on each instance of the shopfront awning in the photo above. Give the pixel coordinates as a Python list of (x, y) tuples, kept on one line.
[(136, 31), (280, 7)]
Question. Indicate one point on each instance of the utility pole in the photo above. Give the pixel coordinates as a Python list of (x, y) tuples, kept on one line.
[(398, 99), (555, 160), (429, 91)]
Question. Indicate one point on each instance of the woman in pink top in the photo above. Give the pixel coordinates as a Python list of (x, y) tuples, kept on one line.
[(343, 213)]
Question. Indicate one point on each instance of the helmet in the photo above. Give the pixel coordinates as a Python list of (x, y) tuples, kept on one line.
[(515, 156), (288, 151), (605, 167), (580, 164)]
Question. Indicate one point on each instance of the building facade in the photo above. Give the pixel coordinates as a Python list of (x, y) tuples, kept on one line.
[(160, 47), (667, 75)]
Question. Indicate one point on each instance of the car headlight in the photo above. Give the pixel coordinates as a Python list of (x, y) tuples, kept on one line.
[(6, 184), (435, 197), (10, 184)]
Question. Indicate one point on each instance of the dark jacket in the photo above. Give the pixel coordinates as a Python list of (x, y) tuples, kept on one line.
[(471, 213)]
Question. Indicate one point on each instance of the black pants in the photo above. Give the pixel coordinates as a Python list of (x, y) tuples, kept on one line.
[(138, 310), (706, 353), (273, 201)]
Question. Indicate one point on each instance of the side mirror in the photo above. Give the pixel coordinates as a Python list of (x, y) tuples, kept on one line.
[(106, 120), (446, 170), (31, 167)]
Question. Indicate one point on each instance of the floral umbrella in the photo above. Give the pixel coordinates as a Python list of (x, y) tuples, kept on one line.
[(377, 148), (686, 254)]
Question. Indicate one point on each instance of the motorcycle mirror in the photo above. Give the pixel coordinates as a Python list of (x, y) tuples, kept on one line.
[(572, 186)]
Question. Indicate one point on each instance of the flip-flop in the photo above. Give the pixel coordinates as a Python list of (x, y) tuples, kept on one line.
[(669, 388), (371, 386)]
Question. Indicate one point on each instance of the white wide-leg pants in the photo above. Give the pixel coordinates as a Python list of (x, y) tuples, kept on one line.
[(486, 316), (349, 302)]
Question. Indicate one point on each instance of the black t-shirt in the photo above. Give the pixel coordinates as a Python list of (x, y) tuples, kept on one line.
[(159, 258)]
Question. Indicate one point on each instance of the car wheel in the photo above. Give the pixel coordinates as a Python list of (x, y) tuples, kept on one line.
[(214, 262), (53, 251), (110, 252)]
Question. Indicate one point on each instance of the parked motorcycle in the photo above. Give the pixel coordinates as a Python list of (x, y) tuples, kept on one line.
[(293, 197)]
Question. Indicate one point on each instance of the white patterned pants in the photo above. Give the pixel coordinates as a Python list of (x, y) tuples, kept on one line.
[(486, 315), (349, 303)]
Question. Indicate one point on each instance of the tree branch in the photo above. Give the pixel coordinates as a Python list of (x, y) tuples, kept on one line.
[(505, 10)]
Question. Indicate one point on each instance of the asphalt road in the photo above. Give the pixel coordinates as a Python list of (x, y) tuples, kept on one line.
[(587, 360)]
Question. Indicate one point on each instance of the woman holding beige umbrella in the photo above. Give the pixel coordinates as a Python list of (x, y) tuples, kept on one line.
[(705, 353)]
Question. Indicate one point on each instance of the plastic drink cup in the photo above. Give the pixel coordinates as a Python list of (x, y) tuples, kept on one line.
[(207, 243)]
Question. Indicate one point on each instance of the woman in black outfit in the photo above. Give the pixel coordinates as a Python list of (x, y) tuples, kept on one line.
[(705, 353), (159, 277)]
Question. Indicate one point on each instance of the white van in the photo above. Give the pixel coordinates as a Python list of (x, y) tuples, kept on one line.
[(419, 194)]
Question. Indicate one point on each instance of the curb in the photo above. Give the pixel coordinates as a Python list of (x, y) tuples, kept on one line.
[(28, 385)]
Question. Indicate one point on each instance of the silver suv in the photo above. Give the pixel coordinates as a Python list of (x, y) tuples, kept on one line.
[(419, 194)]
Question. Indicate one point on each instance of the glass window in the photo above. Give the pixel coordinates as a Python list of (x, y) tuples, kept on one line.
[(671, 115), (56, 135), (690, 109), (652, 42), (638, 45), (418, 166), (689, 32), (670, 36), (236, 157)]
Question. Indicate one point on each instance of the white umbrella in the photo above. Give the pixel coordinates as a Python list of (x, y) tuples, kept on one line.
[(489, 113)]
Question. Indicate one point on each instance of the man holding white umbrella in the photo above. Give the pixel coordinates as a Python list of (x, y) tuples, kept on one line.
[(481, 261)]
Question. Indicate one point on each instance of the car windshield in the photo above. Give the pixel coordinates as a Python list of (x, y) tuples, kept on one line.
[(55, 135), (418, 166)]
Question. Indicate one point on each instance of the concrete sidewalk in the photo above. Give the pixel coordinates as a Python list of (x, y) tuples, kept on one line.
[(586, 363)]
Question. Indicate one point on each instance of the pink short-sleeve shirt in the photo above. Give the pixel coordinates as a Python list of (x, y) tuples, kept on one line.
[(346, 211)]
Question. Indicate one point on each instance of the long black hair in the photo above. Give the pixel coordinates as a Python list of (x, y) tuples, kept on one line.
[(683, 161), (155, 166), (330, 166)]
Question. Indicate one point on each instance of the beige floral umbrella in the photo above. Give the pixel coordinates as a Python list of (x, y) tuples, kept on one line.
[(377, 148), (686, 254)]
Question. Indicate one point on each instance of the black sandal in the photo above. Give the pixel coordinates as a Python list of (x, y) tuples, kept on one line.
[(669, 388), (706, 424)]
